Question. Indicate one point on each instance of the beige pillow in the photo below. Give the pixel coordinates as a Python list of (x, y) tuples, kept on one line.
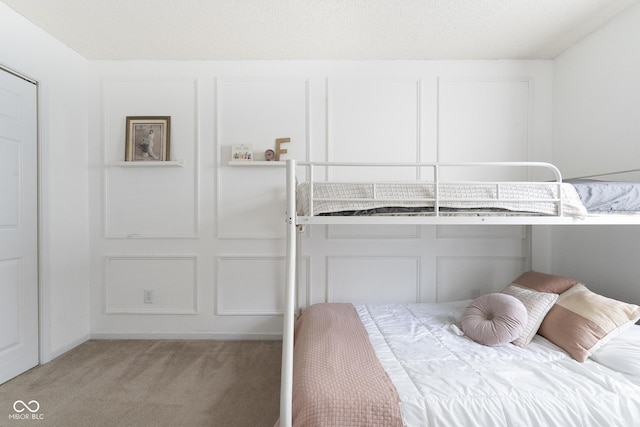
[(582, 321), (537, 304)]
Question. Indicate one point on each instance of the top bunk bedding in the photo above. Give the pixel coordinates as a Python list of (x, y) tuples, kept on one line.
[(419, 198), (607, 196), (436, 201)]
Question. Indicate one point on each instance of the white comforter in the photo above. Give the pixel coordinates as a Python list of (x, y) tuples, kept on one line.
[(448, 380)]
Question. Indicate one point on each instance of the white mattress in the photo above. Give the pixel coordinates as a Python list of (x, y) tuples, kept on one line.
[(448, 380), (516, 197)]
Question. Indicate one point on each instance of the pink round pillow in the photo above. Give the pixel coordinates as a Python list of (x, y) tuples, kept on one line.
[(494, 319)]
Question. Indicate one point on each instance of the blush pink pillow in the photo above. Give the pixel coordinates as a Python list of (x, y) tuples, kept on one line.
[(494, 319)]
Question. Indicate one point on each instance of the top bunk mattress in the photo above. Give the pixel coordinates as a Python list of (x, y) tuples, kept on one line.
[(531, 198)]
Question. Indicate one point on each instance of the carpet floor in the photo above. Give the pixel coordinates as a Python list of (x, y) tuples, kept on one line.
[(142, 383)]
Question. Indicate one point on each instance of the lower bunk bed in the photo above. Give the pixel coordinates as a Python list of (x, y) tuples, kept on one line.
[(416, 365)]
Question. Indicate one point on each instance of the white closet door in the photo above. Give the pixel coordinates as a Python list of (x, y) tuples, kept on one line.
[(18, 226)]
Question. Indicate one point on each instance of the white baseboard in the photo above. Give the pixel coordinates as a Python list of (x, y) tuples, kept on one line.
[(62, 350), (182, 336)]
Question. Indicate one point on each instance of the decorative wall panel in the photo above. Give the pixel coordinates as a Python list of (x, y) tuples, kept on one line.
[(151, 202), (250, 285), (151, 284), (373, 279), (257, 112), (467, 277), (483, 121), (373, 121)]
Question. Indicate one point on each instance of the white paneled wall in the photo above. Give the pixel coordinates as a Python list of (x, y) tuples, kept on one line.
[(206, 238)]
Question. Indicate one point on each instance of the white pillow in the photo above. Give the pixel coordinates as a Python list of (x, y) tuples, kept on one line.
[(622, 353), (538, 305)]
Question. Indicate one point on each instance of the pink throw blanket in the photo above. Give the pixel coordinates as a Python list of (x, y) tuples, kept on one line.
[(337, 378)]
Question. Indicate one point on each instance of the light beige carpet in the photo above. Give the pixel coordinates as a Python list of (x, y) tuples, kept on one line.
[(143, 383)]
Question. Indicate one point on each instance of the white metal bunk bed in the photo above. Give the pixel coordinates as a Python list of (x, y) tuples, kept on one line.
[(431, 201)]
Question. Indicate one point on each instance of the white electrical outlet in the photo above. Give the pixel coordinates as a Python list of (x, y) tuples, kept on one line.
[(148, 296)]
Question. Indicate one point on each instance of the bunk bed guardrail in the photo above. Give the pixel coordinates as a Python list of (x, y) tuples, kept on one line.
[(433, 195)]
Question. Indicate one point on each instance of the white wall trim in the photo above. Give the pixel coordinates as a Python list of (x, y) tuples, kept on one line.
[(183, 336), (70, 346), (303, 261)]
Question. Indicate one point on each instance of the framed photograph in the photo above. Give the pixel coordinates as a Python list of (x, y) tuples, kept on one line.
[(242, 152), (147, 138)]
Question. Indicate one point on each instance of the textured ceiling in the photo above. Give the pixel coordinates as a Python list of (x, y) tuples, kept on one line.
[(319, 29)]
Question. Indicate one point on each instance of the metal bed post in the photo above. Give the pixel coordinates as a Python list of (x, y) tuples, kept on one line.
[(286, 376), (436, 189)]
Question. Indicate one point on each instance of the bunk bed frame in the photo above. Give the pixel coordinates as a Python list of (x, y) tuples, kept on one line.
[(436, 216)]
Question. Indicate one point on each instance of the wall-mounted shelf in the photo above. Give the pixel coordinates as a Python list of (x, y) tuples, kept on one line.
[(150, 164), (256, 163)]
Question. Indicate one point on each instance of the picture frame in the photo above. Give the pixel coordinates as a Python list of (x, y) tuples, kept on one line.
[(147, 138), (242, 153)]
